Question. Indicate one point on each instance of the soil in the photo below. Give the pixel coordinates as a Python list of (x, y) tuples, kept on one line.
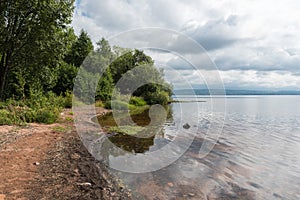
[(40, 161)]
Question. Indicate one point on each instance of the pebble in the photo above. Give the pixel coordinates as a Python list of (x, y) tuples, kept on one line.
[(186, 126), (36, 163), (84, 184), (76, 171), (170, 184), (191, 194)]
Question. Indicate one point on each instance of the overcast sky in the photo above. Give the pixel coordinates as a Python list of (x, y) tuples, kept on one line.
[(254, 44)]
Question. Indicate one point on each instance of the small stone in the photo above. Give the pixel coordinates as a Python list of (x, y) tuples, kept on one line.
[(170, 184), (75, 156), (36, 163), (191, 194), (186, 126), (76, 171), (84, 184)]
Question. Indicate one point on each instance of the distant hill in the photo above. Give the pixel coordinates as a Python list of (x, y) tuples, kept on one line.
[(232, 92)]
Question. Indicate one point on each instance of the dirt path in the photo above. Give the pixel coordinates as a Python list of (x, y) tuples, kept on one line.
[(49, 162)]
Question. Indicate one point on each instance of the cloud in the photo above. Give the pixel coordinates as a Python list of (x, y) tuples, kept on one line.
[(215, 34), (254, 39), (260, 80)]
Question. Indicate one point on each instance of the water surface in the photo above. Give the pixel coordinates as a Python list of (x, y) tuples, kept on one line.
[(256, 156)]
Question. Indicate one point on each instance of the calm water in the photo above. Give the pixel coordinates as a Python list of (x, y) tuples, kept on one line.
[(257, 156)]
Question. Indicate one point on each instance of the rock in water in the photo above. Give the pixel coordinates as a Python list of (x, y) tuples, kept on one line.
[(186, 126)]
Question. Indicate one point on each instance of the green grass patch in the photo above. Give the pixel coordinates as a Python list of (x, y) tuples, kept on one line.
[(129, 130), (99, 104), (60, 129), (137, 101), (69, 119), (5, 118), (139, 110), (38, 108), (119, 105)]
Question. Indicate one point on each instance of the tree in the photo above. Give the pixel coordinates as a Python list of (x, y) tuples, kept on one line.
[(105, 86), (80, 49), (140, 69), (65, 78), (33, 37), (128, 61), (104, 49), (95, 70)]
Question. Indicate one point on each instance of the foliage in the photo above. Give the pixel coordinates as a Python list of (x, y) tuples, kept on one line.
[(79, 50), (33, 39), (47, 116), (160, 97), (65, 78), (139, 69), (38, 108), (137, 101), (5, 117), (68, 100), (40, 56), (119, 105), (59, 129), (99, 104), (105, 87), (128, 61), (139, 109), (128, 130)]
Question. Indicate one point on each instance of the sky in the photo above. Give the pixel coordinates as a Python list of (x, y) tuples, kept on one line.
[(255, 44)]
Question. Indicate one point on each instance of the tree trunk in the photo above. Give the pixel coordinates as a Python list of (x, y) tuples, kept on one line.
[(4, 68)]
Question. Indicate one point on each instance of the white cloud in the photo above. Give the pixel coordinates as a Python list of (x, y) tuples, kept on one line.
[(244, 38)]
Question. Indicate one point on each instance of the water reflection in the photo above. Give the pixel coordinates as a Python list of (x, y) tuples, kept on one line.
[(257, 156), (139, 140)]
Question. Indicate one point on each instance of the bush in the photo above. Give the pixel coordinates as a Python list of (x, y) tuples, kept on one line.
[(137, 101), (39, 108), (99, 104), (68, 100), (157, 98), (119, 105), (47, 116), (5, 117)]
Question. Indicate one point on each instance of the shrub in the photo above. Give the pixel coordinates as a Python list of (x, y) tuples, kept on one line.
[(99, 104), (39, 108), (68, 99), (47, 116), (158, 98), (119, 105), (137, 101), (5, 118)]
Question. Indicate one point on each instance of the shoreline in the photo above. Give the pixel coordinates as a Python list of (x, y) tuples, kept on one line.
[(50, 161)]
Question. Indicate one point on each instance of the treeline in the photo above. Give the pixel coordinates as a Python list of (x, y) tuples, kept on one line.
[(107, 66), (40, 56)]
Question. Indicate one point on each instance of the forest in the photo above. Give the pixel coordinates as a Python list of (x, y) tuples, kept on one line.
[(40, 57)]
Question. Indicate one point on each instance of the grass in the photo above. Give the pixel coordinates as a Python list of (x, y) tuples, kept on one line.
[(60, 129), (99, 104), (137, 101), (139, 110), (119, 105), (128, 130), (69, 119), (39, 108)]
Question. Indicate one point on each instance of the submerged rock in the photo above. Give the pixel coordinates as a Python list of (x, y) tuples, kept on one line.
[(186, 126)]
